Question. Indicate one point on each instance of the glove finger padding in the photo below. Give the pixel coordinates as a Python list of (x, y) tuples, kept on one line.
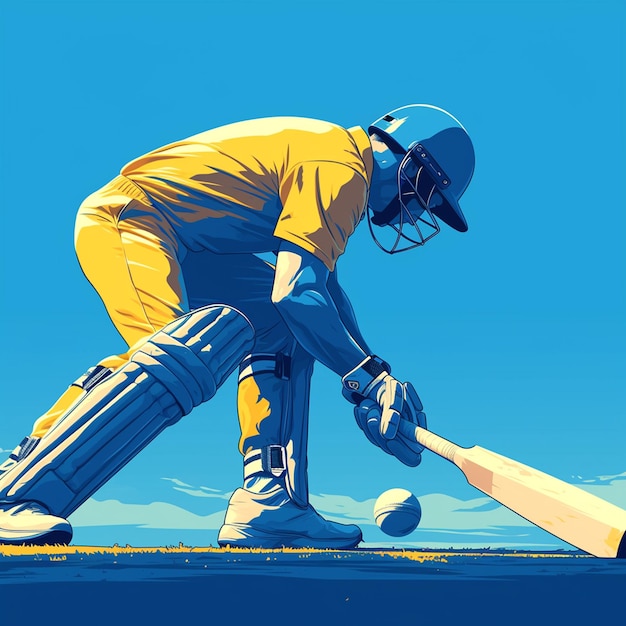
[(414, 406), (367, 416), (412, 412), (390, 399), (404, 450)]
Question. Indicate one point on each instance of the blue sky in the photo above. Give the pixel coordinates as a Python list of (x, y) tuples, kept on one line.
[(514, 333)]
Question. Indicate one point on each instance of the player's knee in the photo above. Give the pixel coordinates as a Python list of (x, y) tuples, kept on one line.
[(183, 356)]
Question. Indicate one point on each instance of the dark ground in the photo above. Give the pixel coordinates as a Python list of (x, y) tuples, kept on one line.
[(122, 586)]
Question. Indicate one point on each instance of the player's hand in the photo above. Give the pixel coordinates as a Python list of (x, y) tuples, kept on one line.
[(382, 401), (385, 433)]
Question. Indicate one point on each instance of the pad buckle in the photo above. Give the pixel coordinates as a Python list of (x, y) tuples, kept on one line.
[(283, 366), (92, 377), (274, 460), (277, 364)]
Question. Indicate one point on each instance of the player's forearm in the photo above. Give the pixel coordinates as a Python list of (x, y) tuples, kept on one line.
[(314, 320), (301, 295), (346, 312)]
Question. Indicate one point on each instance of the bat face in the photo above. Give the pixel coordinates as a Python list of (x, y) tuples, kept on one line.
[(569, 513)]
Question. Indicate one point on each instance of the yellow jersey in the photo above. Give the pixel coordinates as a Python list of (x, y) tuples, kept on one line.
[(246, 186)]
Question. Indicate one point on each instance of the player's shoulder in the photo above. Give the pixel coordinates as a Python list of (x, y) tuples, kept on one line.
[(270, 126), (290, 140)]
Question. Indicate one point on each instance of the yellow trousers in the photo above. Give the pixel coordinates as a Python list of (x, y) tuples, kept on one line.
[(146, 279)]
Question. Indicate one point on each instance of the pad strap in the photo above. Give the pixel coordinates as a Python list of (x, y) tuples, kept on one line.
[(270, 459), (92, 377), (277, 364), (27, 445)]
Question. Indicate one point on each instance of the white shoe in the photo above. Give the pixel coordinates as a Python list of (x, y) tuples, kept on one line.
[(31, 523), (272, 520)]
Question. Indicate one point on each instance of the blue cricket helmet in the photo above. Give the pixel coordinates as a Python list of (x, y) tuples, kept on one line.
[(435, 142)]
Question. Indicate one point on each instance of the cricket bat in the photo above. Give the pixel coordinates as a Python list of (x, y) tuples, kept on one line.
[(569, 513)]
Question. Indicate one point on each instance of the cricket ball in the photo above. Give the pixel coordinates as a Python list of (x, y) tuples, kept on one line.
[(397, 512)]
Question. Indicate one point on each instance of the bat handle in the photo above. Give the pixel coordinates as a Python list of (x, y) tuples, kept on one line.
[(430, 440)]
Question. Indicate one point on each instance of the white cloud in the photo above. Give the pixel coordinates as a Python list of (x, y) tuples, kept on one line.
[(153, 515), (199, 492), (344, 508), (440, 511), (177, 482), (603, 480)]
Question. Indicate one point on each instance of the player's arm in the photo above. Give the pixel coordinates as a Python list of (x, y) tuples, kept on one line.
[(302, 296), (346, 312)]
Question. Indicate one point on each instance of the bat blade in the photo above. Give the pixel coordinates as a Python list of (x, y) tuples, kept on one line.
[(567, 512)]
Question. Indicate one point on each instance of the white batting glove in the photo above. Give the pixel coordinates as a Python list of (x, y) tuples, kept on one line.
[(382, 401)]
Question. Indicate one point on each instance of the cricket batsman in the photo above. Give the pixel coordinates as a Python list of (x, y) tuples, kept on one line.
[(173, 247)]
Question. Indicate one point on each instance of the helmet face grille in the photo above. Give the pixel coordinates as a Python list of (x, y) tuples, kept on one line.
[(408, 221)]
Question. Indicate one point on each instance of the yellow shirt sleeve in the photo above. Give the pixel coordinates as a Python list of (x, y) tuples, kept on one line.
[(322, 201)]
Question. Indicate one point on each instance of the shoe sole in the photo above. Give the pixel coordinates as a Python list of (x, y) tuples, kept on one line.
[(240, 537), (55, 537)]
